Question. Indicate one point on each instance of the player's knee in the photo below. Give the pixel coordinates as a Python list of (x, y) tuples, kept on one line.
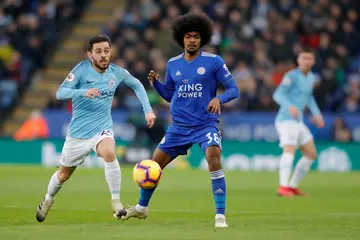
[(312, 154), (109, 155), (64, 176), (214, 161)]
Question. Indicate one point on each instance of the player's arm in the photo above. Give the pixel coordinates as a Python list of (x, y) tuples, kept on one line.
[(69, 89), (140, 92), (280, 95), (223, 75), (315, 111), (166, 90)]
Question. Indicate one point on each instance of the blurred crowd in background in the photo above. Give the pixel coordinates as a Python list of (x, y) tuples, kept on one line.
[(28, 30), (258, 39)]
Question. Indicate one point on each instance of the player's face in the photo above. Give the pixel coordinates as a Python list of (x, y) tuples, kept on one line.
[(306, 61), (192, 42), (100, 55)]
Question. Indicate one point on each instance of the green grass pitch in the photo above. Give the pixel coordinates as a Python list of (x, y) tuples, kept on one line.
[(182, 207)]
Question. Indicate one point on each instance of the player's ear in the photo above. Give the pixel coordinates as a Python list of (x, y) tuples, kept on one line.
[(89, 56)]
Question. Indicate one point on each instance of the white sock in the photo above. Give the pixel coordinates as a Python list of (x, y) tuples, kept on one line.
[(113, 178), (139, 208), (285, 167), (301, 169), (53, 187)]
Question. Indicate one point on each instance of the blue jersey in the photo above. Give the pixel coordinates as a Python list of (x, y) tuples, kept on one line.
[(90, 116), (195, 85), (295, 89)]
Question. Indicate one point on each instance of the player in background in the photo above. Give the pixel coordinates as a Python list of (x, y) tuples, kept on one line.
[(91, 85), (190, 87), (294, 94)]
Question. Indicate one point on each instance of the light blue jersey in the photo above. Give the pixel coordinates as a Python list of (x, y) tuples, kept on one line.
[(90, 116), (296, 89)]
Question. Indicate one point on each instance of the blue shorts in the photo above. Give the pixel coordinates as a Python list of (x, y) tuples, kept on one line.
[(178, 140)]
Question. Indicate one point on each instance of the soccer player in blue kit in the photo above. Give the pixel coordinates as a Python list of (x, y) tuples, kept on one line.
[(91, 85), (294, 94), (190, 87)]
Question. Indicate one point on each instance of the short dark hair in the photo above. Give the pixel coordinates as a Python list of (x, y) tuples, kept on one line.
[(97, 39), (307, 50), (192, 22)]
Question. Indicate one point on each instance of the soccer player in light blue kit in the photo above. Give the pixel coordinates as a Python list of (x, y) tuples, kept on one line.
[(91, 85), (190, 87), (294, 94)]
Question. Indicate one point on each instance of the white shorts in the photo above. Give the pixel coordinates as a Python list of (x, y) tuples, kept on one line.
[(293, 133), (75, 150)]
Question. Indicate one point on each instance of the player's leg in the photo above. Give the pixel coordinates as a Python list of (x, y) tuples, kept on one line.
[(105, 148), (309, 153), (209, 140), (168, 149), (288, 134), (141, 209), (55, 184), (213, 157), (73, 155)]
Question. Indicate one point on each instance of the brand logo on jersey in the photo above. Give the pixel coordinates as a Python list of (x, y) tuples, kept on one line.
[(190, 90), (111, 82), (105, 95), (226, 70), (185, 81), (70, 77), (286, 81), (201, 70), (178, 73), (90, 81)]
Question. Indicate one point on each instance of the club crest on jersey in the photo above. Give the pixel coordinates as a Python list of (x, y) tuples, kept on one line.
[(201, 70), (70, 77), (111, 82)]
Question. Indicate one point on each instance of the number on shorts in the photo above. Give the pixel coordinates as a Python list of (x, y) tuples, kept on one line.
[(106, 132), (215, 138)]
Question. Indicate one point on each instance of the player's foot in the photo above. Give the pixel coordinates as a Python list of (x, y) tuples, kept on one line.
[(285, 192), (220, 221), (131, 212), (118, 208), (297, 192), (43, 209)]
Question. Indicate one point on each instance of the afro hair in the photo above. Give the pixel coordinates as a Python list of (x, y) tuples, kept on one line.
[(192, 22)]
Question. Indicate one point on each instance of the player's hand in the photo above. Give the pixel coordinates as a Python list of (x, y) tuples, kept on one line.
[(150, 119), (318, 120), (294, 112), (214, 106), (92, 93), (152, 77)]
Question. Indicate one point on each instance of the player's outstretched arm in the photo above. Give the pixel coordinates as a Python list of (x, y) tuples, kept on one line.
[(165, 92), (140, 92)]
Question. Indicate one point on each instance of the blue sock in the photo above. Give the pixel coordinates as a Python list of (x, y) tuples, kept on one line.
[(219, 190), (145, 196)]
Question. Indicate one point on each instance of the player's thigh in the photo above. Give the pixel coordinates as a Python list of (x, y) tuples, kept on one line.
[(162, 158), (74, 151), (172, 145), (104, 146), (289, 134), (208, 137)]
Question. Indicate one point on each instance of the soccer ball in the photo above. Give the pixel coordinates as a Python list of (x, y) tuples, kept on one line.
[(147, 174)]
